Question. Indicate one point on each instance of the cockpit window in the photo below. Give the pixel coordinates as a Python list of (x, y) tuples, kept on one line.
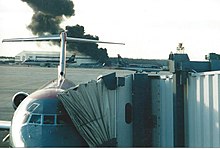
[(48, 119), (33, 107), (63, 119), (35, 119), (26, 117), (60, 119)]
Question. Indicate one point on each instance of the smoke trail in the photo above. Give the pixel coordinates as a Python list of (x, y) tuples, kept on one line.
[(48, 14)]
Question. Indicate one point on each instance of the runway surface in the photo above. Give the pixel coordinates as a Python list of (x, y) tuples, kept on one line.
[(28, 79)]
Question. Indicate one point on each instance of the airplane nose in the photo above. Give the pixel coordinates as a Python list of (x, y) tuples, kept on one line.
[(51, 136)]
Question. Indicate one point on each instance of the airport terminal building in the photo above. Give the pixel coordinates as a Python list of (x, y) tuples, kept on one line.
[(52, 55)]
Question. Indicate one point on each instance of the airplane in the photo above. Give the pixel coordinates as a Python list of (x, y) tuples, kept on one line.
[(138, 68), (40, 119), (43, 61), (141, 70)]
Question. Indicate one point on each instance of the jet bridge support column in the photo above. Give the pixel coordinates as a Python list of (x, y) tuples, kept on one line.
[(142, 111), (124, 121)]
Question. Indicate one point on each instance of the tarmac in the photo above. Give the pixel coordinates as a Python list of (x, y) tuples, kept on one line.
[(28, 79)]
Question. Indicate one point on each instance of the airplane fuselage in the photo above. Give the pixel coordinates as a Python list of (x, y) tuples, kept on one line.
[(42, 121), (41, 62)]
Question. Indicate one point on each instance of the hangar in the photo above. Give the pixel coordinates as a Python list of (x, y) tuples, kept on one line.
[(53, 55)]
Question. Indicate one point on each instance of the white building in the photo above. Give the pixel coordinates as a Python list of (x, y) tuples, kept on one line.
[(53, 55)]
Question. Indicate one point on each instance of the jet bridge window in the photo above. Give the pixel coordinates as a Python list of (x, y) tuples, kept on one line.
[(128, 113), (48, 119), (35, 119)]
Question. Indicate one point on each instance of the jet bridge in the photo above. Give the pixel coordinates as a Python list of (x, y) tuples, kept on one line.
[(129, 111), (179, 108)]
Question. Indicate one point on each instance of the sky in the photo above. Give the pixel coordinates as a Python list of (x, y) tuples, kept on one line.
[(150, 29)]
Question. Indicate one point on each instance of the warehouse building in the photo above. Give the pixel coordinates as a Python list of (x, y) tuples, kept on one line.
[(52, 55)]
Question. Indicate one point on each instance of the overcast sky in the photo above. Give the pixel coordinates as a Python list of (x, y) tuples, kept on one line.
[(150, 28)]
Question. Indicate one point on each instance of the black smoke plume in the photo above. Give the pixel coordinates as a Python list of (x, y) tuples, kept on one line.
[(48, 14), (90, 49)]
